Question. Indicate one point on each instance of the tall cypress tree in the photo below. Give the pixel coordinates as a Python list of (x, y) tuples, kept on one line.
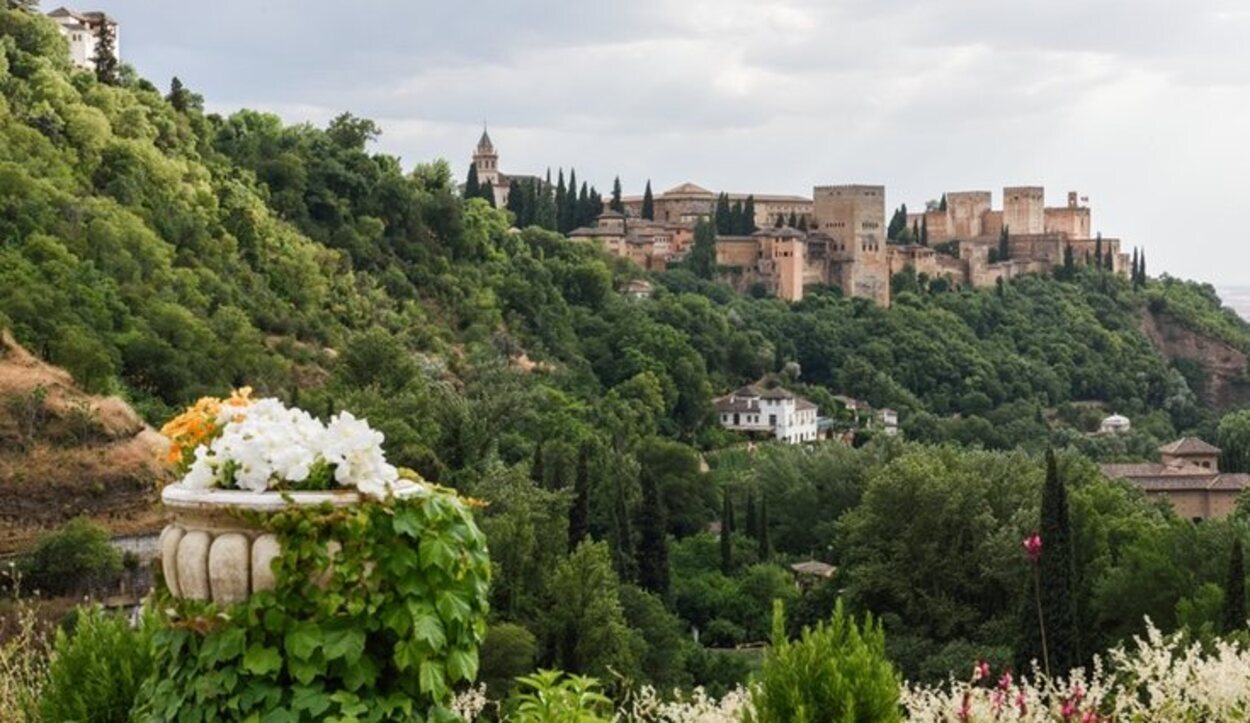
[(472, 189), (794, 220), (616, 204), (653, 540), (585, 214), (924, 231), (1004, 244), (1069, 261), (545, 205), (1234, 617), (1058, 573), (749, 518), (1098, 251), (516, 203), (748, 216), (723, 215), (726, 534), (537, 472), (942, 203), (648, 203), (1133, 272), (105, 58), (579, 512), (623, 535), (802, 224), (781, 221), (702, 256), (766, 547), (1141, 268)]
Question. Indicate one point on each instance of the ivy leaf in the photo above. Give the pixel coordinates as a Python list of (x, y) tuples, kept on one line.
[(437, 553), (429, 629), (462, 664), (313, 700), (223, 646), (453, 606), (303, 640), (408, 522), (281, 715), (432, 679), (303, 670), (260, 660), (348, 644), (363, 673)]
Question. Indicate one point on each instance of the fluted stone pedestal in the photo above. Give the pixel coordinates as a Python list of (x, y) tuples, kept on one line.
[(210, 552)]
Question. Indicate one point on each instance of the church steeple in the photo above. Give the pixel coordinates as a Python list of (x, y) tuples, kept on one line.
[(486, 160)]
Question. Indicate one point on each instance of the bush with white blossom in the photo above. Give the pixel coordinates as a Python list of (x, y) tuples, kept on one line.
[(262, 444)]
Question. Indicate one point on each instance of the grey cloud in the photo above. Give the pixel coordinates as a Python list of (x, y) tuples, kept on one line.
[(1135, 102)]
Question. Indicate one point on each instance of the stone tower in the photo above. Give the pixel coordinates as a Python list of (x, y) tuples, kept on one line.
[(486, 160), (1024, 209), (853, 216)]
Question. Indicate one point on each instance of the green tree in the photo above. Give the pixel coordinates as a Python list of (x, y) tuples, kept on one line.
[(653, 540), (107, 67), (1234, 615), (472, 187), (748, 216), (726, 533), (837, 671), (766, 547), (1057, 567), (723, 215), (1004, 244), (898, 223), (74, 559), (508, 652), (1098, 258), (579, 513), (587, 632), (616, 204), (648, 203), (924, 231), (942, 203), (703, 252)]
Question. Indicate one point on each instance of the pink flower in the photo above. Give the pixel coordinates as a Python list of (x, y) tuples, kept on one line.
[(1090, 716), (1021, 704), (1004, 682), (1033, 546), (981, 670), (965, 711)]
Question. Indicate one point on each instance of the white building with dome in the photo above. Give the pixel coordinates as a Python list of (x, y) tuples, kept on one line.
[(1115, 424)]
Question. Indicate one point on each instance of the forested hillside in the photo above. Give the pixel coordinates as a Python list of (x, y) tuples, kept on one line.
[(161, 253)]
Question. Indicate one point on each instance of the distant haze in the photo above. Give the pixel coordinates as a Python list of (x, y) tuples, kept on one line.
[(1138, 104), (1236, 298)]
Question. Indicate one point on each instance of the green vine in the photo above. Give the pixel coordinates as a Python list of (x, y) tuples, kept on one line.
[(378, 629)]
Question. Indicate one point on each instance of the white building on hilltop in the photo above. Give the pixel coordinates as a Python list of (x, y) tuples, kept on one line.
[(82, 30), (1115, 424), (776, 412)]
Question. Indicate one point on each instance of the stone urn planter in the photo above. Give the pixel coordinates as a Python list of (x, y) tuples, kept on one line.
[(211, 552)]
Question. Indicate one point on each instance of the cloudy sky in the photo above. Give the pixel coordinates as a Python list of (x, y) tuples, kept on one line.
[(1139, 104)]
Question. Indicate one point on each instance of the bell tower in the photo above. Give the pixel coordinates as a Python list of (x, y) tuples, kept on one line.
[(486, 160)]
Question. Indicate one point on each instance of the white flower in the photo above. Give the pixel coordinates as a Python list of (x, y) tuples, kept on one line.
[(268, 444)]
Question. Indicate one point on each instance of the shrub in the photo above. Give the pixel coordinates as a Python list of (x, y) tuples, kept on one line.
[(97, 669), (550, 696), (834, 672), (74, 558), (23, 666), (507, 652)]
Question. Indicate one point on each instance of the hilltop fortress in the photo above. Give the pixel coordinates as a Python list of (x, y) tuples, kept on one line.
[(838, 237)]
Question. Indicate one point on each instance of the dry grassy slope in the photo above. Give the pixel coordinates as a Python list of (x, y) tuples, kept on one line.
[(65, 453)]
